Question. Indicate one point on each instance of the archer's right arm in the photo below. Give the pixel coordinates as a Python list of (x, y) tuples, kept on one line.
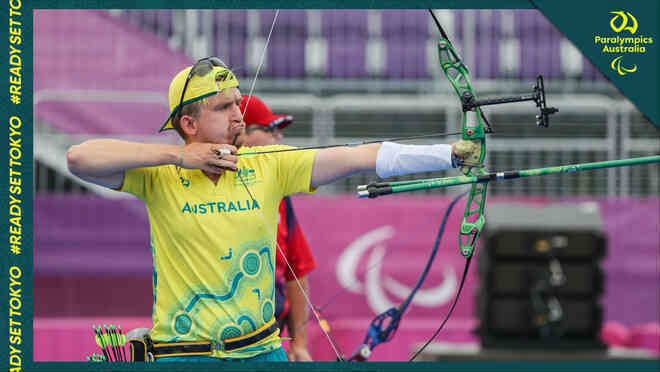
[(103, 161)]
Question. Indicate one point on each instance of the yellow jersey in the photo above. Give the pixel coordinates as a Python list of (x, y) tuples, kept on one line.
[(214, 246)]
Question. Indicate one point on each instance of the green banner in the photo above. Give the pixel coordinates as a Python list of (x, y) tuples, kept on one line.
[(621, 39)]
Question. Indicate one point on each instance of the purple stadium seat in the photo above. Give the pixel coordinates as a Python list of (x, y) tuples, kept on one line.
[(539, 45), (487, 22), (346, 33), (457, 32), (405, 33), (529, 21), (346, 58), (488, 25), (233, 22), (487, 55), (344, 24), (413, 24), (487, 35), (405, 58), (232, 51), (289, 22), (230, 38), (286, 57), (540, 57)]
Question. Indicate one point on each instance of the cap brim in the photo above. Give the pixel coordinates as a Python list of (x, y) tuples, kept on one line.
[(168, 123), (281, 121)]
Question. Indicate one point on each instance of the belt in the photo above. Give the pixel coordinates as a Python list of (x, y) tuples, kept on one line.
[(189, 348)]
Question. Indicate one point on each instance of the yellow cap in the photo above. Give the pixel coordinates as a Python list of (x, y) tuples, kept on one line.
[(216, 80)]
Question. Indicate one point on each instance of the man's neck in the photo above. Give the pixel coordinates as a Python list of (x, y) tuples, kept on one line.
[(214, 177)]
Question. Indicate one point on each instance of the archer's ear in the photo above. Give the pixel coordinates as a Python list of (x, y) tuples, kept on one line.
[(189, 125)]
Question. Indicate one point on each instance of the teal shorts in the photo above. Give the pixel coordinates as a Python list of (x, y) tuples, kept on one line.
[(277, 355)]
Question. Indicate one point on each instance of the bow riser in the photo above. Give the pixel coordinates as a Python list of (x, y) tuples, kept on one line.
[(473, 129)]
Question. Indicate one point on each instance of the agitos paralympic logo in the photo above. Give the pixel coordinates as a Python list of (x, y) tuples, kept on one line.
[(624, 43)]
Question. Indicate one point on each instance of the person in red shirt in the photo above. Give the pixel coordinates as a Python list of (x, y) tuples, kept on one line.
[(262, 128)]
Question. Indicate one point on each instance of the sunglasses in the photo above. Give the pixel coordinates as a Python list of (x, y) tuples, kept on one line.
[(201, 68)]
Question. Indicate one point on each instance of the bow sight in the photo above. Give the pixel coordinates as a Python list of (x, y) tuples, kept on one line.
[(538, 96)]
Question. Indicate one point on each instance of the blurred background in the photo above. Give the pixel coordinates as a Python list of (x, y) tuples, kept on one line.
[(347, 76)]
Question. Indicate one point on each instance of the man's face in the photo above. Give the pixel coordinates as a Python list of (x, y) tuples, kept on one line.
[(220, 120), (259, 135)]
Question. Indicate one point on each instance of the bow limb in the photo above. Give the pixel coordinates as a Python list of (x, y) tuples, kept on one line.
[(263, 218), (474, 127), (376, 334)]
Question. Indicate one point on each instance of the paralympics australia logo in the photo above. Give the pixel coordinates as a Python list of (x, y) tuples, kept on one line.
[(378, 288), (625, 44), (622, 18)]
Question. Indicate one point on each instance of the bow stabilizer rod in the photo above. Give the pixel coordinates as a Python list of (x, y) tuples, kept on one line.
[(538, 96)]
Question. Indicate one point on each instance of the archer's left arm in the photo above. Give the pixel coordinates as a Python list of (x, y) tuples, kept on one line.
[(336, 163), (387, 159)]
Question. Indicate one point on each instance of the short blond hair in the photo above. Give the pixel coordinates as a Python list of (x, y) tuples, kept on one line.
[(189, 109)]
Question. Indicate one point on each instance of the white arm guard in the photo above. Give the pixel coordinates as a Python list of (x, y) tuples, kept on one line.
[(397, 160)]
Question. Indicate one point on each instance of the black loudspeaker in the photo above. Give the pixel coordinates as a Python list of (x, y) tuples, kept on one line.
[(540, 277)]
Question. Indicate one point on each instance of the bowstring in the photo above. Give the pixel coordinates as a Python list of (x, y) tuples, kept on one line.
[(261, 62), (263, 218)]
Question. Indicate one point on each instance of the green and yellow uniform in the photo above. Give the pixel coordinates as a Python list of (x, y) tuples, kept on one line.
[(214, 246)]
